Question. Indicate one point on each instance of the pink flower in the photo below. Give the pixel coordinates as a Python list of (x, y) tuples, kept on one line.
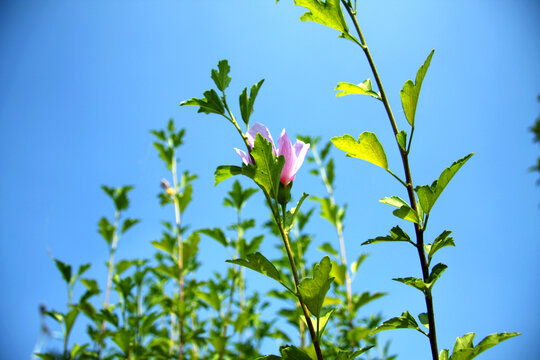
[(294, 155)]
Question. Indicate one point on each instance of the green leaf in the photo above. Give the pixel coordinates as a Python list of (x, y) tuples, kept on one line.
[(326, 13), (428, 195), (356, 264), (247, 102), (269, 357), (396, 234), (405, 321), (402, 139), (210, 104), (313, 290), (365, 298), (289, 352), (435, 274), (216, 234), (211, 298), (119, 195), (347, 355), (70, 318), (338, 272), (184, 198), (411, 91), (404, 211), (424, 319), (441, 241), (443, 354), (122, 339), (223, 172), (414, 282), (365, 88), (64, 269), (128, 223), (328, 248), (367, 148), (238, 196), (91, 285), (492, 340), (221, 77), (45, 356), (106, 230), (267, 169), (290, 216), (329, 211), (260, 264)]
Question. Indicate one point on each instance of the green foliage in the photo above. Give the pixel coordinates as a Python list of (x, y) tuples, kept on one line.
[(221, 76), (247, 102), (238, 196), (260, 264), (411, 91), (119, 195), (404, 211), (465, 350), (428, 195), (364, 88), (211, 103), (313, 290), (396, 234), (405, 321), (441, 241), (367, 148)]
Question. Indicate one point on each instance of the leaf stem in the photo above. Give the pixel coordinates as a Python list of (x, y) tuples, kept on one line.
[(409, 184)]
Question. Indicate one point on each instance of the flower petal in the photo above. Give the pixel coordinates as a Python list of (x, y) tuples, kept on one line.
[(300, 151), (285, 148), (259, 128), (246, 159)]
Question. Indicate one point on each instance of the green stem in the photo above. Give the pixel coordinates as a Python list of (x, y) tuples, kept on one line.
[(177, 215), (410, 189), (110, 272), (285, 238)]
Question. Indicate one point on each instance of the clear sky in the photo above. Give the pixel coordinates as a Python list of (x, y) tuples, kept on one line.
[(82, 83)]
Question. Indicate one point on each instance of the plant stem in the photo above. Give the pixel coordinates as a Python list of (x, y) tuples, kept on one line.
[(285, 238), (112, 251), (177, 216), (410, 188)]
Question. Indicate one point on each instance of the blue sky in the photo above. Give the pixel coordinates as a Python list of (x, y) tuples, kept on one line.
[(83, 82)]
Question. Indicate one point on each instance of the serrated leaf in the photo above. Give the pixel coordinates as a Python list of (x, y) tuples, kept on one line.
[(492, 340), (428, 195), (238, 196), (435, 274), (441, 241), (402, 139), (313, 290), (367, 148), (247, 102), (326, 13), (405, 321), (411, 91), (365, 298), (396, 234), (404, 211), (119, 195), (211, 103), (260, 264), (221, 76), (364, 88), (267, 169)]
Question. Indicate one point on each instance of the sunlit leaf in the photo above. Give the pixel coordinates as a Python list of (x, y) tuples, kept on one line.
[(402, 140), (411, 91), (396, 234), (404, 211), (405, 321), (428, 195), (289, 352), (326, 13), (367, 148), (216, 234), (260, 264), (211, 103), (223, 172), (365, 88)]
